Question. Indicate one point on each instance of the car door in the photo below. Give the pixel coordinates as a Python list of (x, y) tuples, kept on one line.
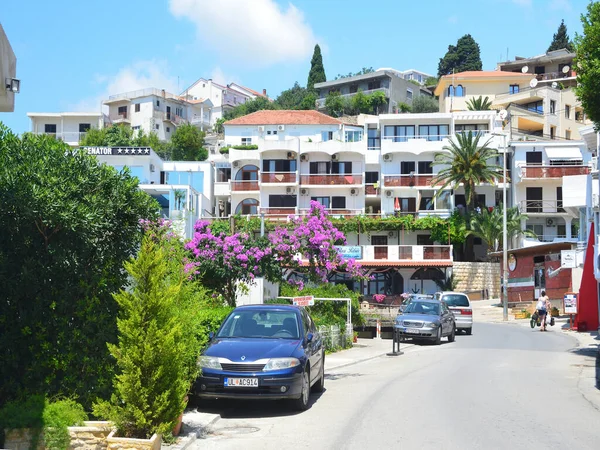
[(312, 348), (447, 318)]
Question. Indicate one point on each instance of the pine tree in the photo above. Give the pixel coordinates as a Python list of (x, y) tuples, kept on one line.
[(463, 56), (317, 71), (561, 39)]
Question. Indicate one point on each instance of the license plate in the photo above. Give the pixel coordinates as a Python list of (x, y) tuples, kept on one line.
[(240, 382), (412, 331)]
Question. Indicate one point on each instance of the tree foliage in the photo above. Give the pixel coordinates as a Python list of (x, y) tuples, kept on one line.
[(431, 81), (561, 39), (188, 144), (479, 104), (317, 71), (359, 103), (363, 71), (587, 63), (124, 136), (425, 104), (488, 226), (67, 226), (297, 97), (463, 56), (250, 106)]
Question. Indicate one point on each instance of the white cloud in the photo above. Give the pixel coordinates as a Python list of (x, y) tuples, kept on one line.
[(257, 31), (220, 77), (138, 75), (524, 3), (564, 5)]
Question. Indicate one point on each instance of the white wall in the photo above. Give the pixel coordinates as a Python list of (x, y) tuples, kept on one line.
[(8, 69), (235, 133)]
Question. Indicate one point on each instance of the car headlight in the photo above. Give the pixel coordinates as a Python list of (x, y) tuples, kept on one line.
[(432, 325), (209, 362), (281, 363)]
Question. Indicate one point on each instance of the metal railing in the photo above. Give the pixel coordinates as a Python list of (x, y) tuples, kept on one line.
[(407, 252), (336, 212), (541, 206), (334, 337), (144, 93), (418, 137), (278, 177), (331, 179), (119, 117), (68, 136), (534, 171), (244, 185), (402, 180)]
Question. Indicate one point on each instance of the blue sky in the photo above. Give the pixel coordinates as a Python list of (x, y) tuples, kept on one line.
[(72, 53)]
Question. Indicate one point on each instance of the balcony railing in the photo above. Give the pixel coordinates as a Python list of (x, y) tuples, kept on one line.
[(407, 252), (332, 179), (553, 171), (70, 137), (336, 212), (371, 190), (321, 101), (174, 118), (424, 137), (278, 212), (244, 185), (278, 177), (408, 180), (119, 117), (541, 206)]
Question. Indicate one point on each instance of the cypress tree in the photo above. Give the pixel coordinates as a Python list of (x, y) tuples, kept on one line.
[(317, 71), (465, 55), (561, 39)]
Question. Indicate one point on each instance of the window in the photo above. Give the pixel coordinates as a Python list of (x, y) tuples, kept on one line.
[(247, 206), (399, 133), (480, 201), (537, 107), (194, 179), (408, 204), (443, 200), (567, 111), (425, 167), (338, 202), (157, 126), (472, 127), (179, 111), (552, 132), (326, 136), (552, 106), (477, 241), (122, 111), (561, 231), (513, 89), (353, 135), (559, 199), (377, 284), (246, 141), (533, 196), (282, 201), (247, 173), (84, 127), (137, 107), (533, 158), (460, 91), (451, 91), (433, 132), (353, 88), (568, 134), (344, 167), (424, 239), (460, 200), (406, 167), (319, 168), (50, 128), (157, 103), (274, 131), (223, 174), (322, 200), (374, 85), (539, 70), (136, 127), (371, 177), (269, 132), (373, 141), (537, 228), (409, 95), (168, 129), (279, 165), (426, 201)]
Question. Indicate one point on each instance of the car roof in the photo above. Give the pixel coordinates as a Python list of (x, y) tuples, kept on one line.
[(426, 300), (452, 292), (270, 306)]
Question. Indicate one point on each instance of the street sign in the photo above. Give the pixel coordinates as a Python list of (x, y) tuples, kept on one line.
[(568, 259), (570, 303), (307, 300)]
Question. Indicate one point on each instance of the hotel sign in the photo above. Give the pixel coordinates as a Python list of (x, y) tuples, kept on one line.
[(349, 251), (116, 151)]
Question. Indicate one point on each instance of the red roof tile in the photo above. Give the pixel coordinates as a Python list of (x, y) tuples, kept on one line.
[(284, 117)]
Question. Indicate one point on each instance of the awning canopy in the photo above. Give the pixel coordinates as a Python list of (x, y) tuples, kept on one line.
[(564, 153)]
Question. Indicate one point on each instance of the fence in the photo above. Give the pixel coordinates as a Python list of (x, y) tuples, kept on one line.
[(334, 337)]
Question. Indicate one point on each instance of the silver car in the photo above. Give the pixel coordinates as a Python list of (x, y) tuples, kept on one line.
[(426, 319), (460, 306)]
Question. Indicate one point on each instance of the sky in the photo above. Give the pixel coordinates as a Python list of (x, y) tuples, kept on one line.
[(71, 54)]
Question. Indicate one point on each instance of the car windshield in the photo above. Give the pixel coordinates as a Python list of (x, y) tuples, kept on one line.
[(417, 307), (261, 324), (456, 300)]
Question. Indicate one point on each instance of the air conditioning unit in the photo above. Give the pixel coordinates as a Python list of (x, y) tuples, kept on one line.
[(236, 164), (303, 157), (290, 190), (261, 129), (303, 191), (152, 168), (387, 157), (291, 155), (391, 234), (281, 127), (550, 223), (388, 193), (334, 157), (353, 191)]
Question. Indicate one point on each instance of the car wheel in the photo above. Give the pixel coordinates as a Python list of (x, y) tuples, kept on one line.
[(452, 335), (319, 386), (301, 403), (438, 337), (469, 331)]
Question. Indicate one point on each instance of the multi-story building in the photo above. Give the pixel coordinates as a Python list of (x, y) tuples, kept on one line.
[(223, 98), (8, 73), (537, 94), (389, 81), (69, 127), (415, 75), (157, 111)]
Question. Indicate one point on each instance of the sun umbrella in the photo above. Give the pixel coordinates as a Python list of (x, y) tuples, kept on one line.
[(397, 204)]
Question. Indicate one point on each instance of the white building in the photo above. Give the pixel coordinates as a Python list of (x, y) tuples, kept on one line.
[(416, 75), (70, 127), (8, 73), (157, 111)]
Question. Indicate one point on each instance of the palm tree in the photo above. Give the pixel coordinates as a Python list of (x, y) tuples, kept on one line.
[(466, 163), (479, 104), (487, 225)]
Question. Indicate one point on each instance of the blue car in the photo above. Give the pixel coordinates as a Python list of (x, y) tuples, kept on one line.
[(264, 352)]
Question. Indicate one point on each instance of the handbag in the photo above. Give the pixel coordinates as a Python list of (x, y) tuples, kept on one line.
[(551, 321)]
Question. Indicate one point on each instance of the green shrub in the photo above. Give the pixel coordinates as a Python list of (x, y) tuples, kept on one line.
[(245, 147), (224, 150), (210, 320)]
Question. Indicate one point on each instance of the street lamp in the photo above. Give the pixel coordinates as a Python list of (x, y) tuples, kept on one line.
[(504, 232)]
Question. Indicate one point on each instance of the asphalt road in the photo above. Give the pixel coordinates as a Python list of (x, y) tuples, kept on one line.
[(504, 387)]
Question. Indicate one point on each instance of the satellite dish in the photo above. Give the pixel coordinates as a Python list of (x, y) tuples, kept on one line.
[(525, 69), (503, 114), (554, 85), (565, 69), (533, 83)]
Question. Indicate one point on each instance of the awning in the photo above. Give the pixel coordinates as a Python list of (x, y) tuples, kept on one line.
[(564, 153), (408, 263)]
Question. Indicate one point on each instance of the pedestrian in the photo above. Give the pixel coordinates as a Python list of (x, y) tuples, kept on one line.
[(542, 309)]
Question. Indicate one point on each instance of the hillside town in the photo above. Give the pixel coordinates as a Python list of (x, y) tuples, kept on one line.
[(171, 259)]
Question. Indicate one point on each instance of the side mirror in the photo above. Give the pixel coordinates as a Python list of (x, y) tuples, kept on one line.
[(211, 335), (309, 337)]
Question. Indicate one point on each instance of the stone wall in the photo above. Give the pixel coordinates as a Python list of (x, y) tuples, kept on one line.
[(20, 439), (477, 276), (92, 436)]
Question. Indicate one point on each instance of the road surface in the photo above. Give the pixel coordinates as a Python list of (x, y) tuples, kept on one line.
[(504, 387)]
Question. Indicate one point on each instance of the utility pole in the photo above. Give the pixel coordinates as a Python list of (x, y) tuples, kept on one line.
[(504, 238)]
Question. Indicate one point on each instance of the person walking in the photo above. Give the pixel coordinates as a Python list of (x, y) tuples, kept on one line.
[(542, 309)]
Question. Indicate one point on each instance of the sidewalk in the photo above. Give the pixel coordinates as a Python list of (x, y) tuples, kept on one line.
[(363, 350)]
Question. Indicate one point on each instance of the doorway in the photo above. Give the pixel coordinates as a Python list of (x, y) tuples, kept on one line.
[(539, 276)]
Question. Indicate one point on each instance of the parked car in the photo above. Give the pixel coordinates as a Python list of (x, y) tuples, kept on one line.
[(264, 352), (460, 305), (408, 299), (426, 319)]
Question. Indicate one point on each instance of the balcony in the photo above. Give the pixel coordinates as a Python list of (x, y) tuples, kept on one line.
[(407, 252), (119, 117), (71, 138), (278, 213), (278, 177), (335, 212), (243, 155), (541, 207), (523, 95), (408, 180), (534, 171), (321, 101), (288, 145), (371, 190), (244, 185), (174, 118), (331, 180), (414, 144)]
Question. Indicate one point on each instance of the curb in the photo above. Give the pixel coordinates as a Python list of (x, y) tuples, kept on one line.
[(184, 443)]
